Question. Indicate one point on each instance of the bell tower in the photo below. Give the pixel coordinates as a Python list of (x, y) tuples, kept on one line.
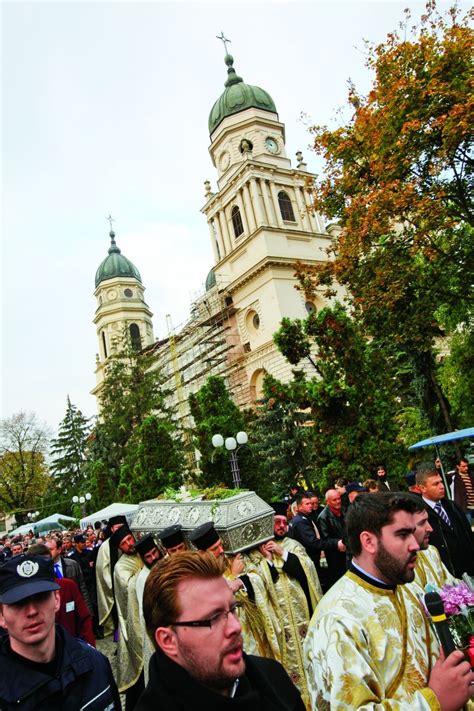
[(121, 307), (260, 219)]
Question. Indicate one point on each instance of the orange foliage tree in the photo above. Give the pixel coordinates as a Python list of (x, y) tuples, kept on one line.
[(398, 179)]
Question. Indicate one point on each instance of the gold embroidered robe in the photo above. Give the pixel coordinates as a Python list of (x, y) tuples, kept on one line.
[(261, 623), (431, 570), (370, 648), (148, 648), (293, 606), (105, 595), (130, 641)]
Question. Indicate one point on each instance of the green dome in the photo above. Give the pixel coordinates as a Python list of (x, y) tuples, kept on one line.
[(115, 265), (210, 280), (237, 97)]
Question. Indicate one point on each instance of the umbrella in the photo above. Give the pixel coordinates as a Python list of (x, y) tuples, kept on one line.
[(443, 439)]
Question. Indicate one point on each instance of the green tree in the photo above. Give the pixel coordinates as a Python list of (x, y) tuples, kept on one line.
[(24, 475), (132, 390), (68, 459), (398, 179), (214, 412), (153, 461), (352, 396), (456, 371)]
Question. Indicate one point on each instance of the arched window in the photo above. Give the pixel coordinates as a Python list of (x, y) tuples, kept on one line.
[(135, 336), (237, 221), (286, 208)]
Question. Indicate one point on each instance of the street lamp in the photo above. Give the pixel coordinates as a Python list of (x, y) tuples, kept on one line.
[(82, 501), (232, 444), (32, 515)]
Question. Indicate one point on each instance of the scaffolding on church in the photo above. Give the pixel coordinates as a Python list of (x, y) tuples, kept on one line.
[(207, 344)]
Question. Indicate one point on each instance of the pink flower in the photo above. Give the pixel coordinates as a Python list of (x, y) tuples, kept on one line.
[(455, 597)]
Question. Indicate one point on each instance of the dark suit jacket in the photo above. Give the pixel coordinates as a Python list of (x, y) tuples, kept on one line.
[(455, 544), (72, 570)]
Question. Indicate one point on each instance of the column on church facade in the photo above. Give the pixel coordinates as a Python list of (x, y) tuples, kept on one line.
[(219, 237), (276, 205), (268, 203), (257, 206), (225, 231), (216, 247), (248, 208), (312, 219), (304, 217)]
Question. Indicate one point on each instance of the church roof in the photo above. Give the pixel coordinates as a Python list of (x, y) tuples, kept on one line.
[(115, 265), (238, 96)]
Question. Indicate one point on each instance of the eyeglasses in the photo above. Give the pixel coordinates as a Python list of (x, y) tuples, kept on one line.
[(217, 620)]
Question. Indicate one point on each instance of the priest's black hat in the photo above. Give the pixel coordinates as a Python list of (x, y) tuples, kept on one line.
[(145, 544), (172, 536), (280, 508), (117, 537), (114, 520), (204, 536)]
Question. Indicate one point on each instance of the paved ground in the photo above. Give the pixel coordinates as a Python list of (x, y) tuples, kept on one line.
[(108, 647)]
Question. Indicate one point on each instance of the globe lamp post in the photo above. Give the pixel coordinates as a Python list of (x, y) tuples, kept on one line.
[(232, 444)]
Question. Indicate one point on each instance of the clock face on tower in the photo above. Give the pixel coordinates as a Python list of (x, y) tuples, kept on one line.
[(224, 160), (271, 145)]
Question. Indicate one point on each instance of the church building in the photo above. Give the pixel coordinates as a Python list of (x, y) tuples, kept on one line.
[(260, 224)]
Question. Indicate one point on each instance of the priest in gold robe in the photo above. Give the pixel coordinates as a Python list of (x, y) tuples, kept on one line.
[(291, 578), (369, 645), (130, 631)]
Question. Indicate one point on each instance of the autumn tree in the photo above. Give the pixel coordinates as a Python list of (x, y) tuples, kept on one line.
[(24, 475), (398, 179)]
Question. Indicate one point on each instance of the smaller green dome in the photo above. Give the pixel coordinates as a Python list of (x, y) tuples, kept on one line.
[(115, 265), (238, 96), (210, 280)]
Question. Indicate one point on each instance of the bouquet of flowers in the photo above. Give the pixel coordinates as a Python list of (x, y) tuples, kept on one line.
[(458, 602)]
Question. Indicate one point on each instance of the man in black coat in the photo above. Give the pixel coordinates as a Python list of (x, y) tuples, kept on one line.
[(306, 532), (331, 526), (451, 534), (191, 616)]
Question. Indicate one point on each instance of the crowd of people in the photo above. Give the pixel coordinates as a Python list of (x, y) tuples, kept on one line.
[(329, 610)]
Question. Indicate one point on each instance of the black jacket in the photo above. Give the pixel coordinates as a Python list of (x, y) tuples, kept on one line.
[(72, 569), (82, 679), (455, 543), (301, 528), (265, 686), (333, 530)]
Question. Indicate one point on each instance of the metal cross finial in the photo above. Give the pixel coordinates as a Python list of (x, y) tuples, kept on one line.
[(110, 219), (224, 40)]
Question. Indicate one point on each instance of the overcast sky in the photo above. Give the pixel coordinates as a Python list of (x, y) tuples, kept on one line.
[(104, 110)]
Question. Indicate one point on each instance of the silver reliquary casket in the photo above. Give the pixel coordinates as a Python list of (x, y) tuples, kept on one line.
[(242, 521)]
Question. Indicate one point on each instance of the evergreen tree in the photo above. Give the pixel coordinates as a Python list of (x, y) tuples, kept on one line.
[(68, 459), (133, 390), (215, 412), (153, 461), (281, 439)]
